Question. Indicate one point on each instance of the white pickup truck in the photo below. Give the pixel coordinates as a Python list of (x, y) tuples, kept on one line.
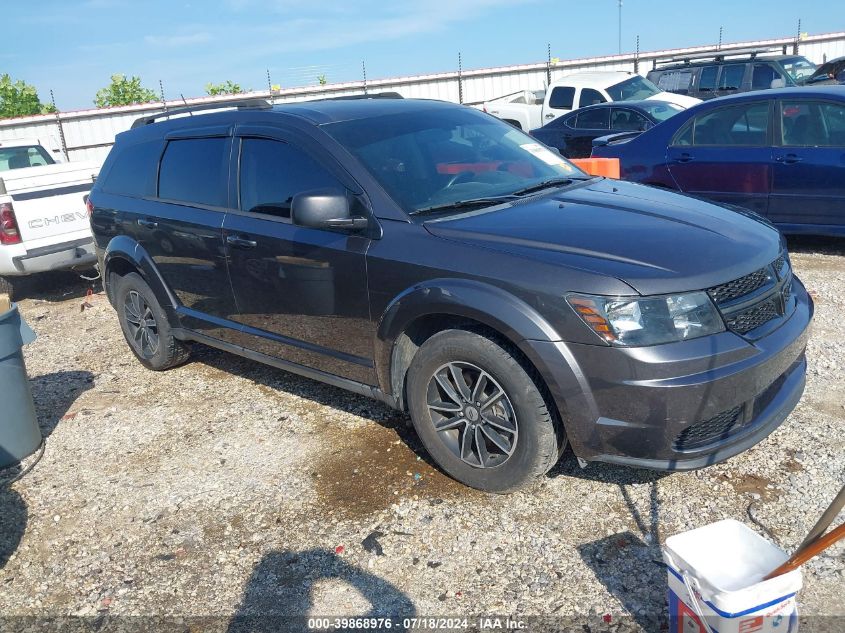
[(43, 217), (529, 110)]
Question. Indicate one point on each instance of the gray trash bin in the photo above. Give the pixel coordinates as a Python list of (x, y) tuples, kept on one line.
[(19, 432)]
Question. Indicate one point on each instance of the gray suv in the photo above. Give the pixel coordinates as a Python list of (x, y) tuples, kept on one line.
[(437, 259)]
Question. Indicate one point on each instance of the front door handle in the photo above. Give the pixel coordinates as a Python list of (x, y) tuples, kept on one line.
[(789, 159), (240, 242), (685, 157), (148, 224), (550, 116)]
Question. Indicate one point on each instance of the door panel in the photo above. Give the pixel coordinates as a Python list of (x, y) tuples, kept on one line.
[(301, 293), (809, 164), (728, 156)]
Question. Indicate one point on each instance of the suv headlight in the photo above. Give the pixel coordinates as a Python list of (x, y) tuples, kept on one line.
[(640, 321)]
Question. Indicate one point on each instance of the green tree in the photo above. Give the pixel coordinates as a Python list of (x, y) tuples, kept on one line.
[(225, 88), (123, 91), (18, 98), (322, 80)]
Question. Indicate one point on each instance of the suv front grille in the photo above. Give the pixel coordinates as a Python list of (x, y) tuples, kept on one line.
[(703, 433), (756, 299)]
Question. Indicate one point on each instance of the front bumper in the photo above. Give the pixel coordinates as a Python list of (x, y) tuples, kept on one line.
[(681, 405)]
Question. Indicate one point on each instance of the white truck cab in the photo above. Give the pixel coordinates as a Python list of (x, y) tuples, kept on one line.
[(576, 91), (43, 216)]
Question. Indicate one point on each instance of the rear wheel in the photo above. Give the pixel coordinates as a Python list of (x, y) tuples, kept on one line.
[(145, 325), (480, 414)]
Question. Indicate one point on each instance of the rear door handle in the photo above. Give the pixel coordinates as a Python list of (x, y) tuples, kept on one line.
[(149, 224), (685, 157), (240, 242), (789, 159)]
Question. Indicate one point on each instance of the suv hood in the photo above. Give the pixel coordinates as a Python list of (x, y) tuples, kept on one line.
[(655, 241), (684, 101)]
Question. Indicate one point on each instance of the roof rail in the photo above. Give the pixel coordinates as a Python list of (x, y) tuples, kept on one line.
[(240, 104), (718, 55), (366, 95)]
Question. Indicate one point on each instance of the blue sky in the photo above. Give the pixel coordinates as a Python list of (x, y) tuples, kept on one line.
[(73, 46)]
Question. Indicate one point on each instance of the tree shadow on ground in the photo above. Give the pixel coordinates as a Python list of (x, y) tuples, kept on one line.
[(280, 593)]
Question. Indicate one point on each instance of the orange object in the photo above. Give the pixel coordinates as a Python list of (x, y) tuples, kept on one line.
[(598, 166)]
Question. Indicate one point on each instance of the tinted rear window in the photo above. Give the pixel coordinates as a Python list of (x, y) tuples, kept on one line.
[(195, 171), (134, 170)]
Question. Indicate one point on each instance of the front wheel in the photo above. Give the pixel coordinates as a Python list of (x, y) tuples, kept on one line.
[(480, 414)]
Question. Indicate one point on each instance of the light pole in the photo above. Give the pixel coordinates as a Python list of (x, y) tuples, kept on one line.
[(620, 27)]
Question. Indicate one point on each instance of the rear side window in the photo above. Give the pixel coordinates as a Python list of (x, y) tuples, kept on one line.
[(812, 124), (675, 81), (590, 97), (195, 171), (745, 125), (562, 98), (595, 119), (133, 172), (273, 172), (731, 77), (707, 78)]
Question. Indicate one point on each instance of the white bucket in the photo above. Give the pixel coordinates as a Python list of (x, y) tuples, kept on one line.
[(716, 582)]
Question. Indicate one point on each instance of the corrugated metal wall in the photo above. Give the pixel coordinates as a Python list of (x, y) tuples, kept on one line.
[(90, 133)]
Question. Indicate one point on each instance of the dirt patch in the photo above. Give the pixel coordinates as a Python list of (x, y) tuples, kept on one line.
[(367, 469), (752, 484)]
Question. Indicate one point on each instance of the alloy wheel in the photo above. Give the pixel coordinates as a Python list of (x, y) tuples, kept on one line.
[(472, 414), (141, 323)]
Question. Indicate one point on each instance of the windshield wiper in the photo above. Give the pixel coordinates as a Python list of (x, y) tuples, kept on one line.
[(462, 204), (552, 182)]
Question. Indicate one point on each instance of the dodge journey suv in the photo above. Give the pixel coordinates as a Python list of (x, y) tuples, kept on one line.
[(445, 263)]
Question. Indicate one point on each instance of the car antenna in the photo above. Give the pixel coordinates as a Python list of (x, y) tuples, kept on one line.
[(185, 101)]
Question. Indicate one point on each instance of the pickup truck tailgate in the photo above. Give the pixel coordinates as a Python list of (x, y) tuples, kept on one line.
[(49, 200)]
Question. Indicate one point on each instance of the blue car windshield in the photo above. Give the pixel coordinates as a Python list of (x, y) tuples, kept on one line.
[(434, 158)]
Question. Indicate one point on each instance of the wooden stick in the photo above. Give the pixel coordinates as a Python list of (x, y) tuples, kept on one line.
[(811, 551)]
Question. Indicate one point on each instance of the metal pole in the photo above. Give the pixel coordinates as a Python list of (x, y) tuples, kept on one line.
[(637, 57), (460, 80), (548, 65), (364, 70), (719, 47), (620, 27), (797, 38), (61, 128), (269, 83), (161, 90)]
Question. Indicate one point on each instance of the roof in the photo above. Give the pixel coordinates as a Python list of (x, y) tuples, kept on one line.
[(746, 59), (807, 92), (594, 79), (324, 111)]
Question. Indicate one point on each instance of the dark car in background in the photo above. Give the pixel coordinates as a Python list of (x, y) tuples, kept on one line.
[(779, 153), (573, 134), (832, 72), (435, 258), (710, 76)]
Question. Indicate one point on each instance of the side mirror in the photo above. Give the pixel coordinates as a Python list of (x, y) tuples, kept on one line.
[(325, 209)]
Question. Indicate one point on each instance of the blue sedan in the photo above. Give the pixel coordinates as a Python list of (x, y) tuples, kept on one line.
[(779, 153), (573, 133)]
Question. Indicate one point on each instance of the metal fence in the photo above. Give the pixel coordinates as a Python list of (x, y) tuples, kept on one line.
[(88, 134)]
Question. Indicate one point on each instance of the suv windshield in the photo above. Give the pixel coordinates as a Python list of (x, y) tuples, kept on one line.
[(633, 89), (443, 157), (799, 68), (24, 156)]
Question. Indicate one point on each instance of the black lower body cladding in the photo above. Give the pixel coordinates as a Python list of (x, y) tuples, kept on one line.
[(682, 405)]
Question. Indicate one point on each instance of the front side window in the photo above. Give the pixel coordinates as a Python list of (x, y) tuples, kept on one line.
[(764, 76), (812, 124), (594, 119), (745, 125), (590, 97), (731, 77), (195, 171), (273, 172), (23, 157), (439, 156), (562, 98), (634, 88)]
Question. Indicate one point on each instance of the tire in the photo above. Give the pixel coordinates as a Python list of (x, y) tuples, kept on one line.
[(523, 441), (152, 343), (7, 288)]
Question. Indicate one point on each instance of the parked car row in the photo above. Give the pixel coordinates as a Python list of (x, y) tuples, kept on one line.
[(779, 153), (448, 264)]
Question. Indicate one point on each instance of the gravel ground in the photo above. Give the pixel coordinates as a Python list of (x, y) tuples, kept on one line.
[(226, 488)]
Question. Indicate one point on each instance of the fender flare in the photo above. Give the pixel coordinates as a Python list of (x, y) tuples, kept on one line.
[(125, 248), (490, 305)]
